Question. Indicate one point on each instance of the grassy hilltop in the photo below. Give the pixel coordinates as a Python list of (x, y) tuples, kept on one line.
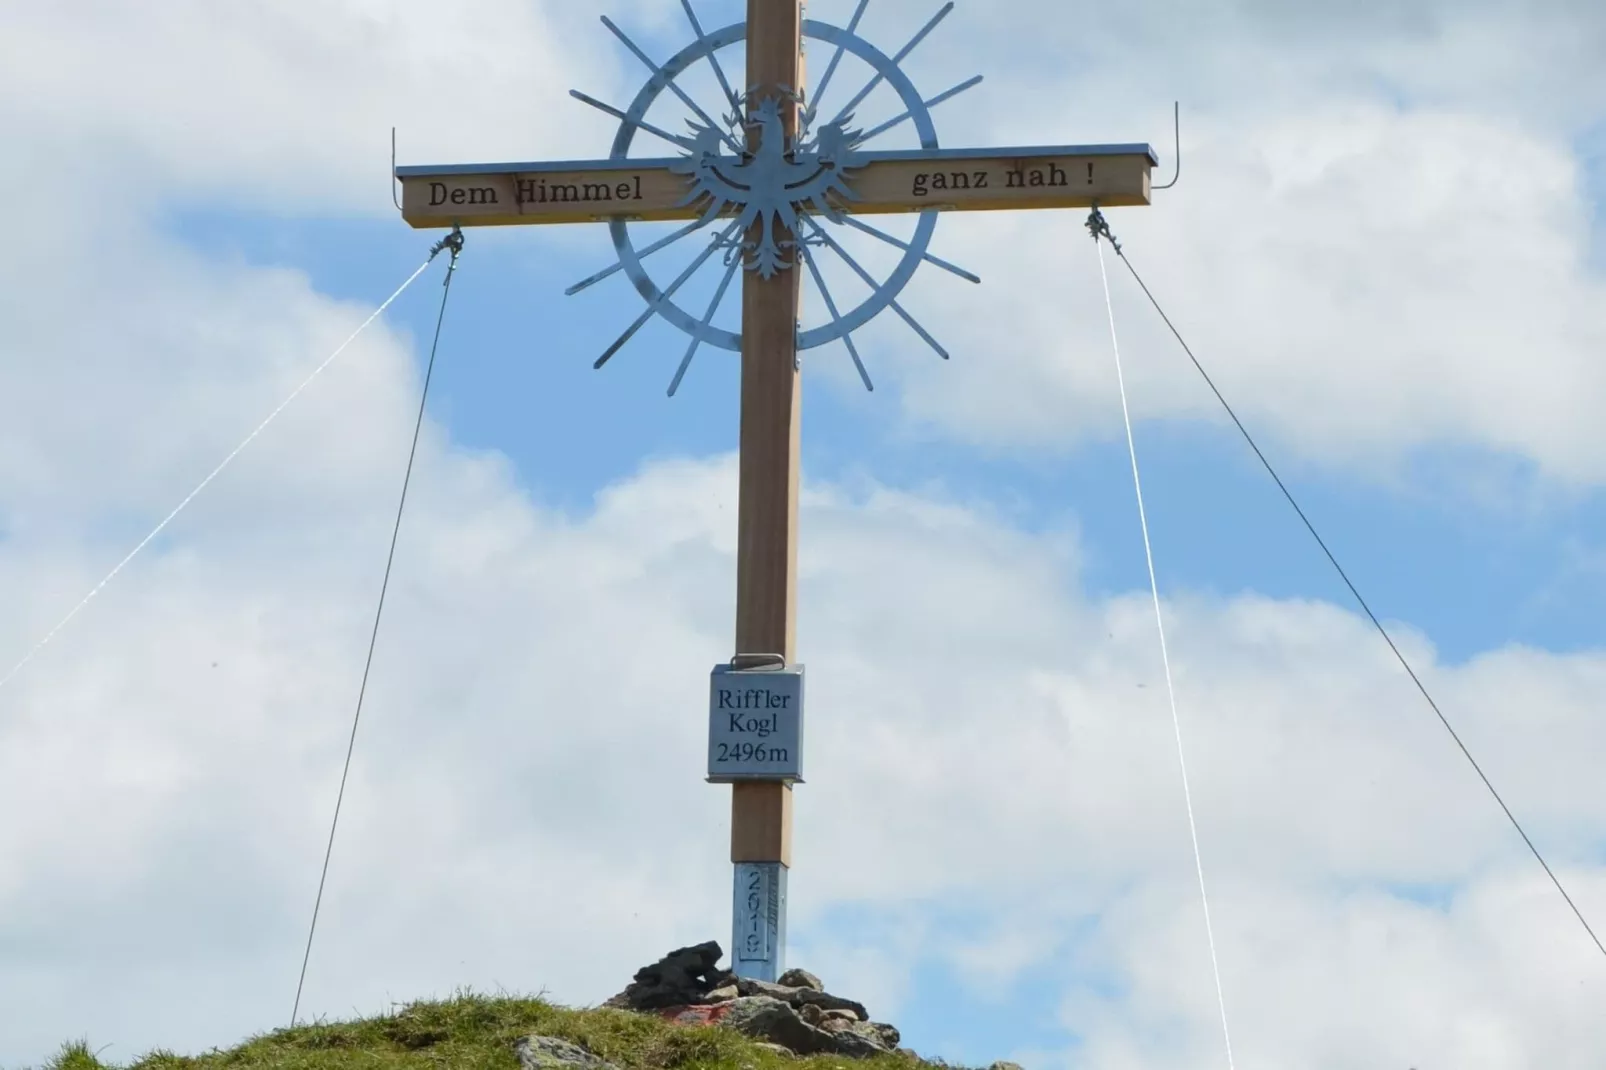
[(474, 1032)]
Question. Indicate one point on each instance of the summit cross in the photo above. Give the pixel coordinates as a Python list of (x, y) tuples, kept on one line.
[(765, 176)]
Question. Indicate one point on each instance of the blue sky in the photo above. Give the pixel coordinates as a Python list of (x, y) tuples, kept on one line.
[(515, 377), (1386, 247)]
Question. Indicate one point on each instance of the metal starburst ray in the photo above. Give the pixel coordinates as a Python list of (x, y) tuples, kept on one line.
[(786, 185)]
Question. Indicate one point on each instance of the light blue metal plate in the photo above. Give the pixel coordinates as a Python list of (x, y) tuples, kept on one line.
[(755, 725), (758, 921)]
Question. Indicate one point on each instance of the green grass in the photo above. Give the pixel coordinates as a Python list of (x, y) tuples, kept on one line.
[(472, 1032)]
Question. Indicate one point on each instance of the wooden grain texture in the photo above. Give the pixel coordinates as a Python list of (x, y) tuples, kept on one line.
[(1000, 183), (770, 439), (986, 181), (761, 823)]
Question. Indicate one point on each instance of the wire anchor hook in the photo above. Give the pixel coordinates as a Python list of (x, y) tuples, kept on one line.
[(452, 241), (1099, 227)]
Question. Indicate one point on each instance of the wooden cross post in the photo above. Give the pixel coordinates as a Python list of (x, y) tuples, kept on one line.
[(621, 188), (767, 504)]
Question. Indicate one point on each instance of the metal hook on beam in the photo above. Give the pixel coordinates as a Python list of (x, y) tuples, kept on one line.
[(1176, 129), (393, 198)]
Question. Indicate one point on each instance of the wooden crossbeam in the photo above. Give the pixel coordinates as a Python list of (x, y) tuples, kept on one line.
[(966, 180)]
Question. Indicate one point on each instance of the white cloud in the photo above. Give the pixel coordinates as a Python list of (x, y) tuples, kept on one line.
[(287, 107), (1358, 306), (1349, 979), (525, 807), (526, 810), (1382, 242), (1373, 251)]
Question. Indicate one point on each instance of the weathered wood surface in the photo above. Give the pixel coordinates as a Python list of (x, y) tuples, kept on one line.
[(889, 182)]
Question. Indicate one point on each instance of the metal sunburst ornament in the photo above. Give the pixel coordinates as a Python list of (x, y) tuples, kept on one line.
[(800, 184)]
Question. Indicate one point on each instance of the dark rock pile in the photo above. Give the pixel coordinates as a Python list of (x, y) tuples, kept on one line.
[(688, 977), (796, 1014)]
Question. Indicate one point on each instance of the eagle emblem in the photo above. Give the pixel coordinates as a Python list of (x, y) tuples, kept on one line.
[(772, 186)]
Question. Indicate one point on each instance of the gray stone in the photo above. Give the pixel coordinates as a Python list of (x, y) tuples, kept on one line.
[(827, 1002), (800, 997), (776, 1049), (852, 1042), (858, 1038), (1002, 1065), (750, 987), (773, 1020), (811, 1014), (724, 995), (800, 979), (550, 1053), (889, 1036), (844, 1016)]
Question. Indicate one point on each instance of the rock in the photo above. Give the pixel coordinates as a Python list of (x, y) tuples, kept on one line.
[(851, 1041), (749, 987), (550, 1053), (769, 1019), (851, 1036), (889, 1036), (827, 1002), (800, 979), (800, 997), (776, 1049), (702, 1014), (1002, 1065), (683, 977), (795, 1016)]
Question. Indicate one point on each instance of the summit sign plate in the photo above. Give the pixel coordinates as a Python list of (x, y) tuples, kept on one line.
[(755, 725)]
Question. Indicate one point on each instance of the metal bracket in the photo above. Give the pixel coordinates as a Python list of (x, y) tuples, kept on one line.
[(750, 662)]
